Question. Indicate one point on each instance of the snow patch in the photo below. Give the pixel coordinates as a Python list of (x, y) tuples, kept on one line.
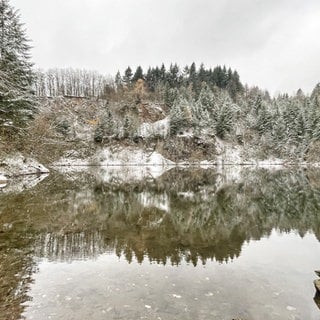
[(71, 164), (270, 163), (22, 183), (3, 181), (228, 153), (117, 165), (149, 200), (229, 174), (160, 128), (17, 165), (127, 174), (129, 157), (186, 195)]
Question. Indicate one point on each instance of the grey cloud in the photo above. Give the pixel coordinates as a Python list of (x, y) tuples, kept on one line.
[(263, 40)]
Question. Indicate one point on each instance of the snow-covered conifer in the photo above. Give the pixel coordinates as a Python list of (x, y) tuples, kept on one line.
[(16, 77)]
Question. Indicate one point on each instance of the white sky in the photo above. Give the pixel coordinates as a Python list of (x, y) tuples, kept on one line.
[(271, 43)]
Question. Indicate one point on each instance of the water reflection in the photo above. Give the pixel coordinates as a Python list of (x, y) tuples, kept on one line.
[(184, 216), (184, 213)]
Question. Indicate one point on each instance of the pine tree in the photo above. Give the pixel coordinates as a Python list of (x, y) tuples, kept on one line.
[(180, 115), (118, 81), (223, 117), (127, 76), (206, 98), (315, 95), (170, 95), (200, 117), (138, 74), (16, 77), (106, 128)]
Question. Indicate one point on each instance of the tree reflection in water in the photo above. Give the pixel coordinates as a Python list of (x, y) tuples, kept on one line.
[(185, 214)]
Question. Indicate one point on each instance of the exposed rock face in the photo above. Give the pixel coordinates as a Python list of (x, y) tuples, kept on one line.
[(17, 165), (18, 173)]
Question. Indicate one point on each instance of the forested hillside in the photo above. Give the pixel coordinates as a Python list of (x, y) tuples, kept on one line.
[(198, 103)]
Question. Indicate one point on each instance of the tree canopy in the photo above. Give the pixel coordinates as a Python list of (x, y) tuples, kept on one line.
[(16, 77)]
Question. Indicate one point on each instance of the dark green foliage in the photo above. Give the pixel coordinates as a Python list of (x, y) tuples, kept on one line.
[(127, 128), (63, 126), (223, 118), (170, 95), (16, 77), (127, 76), (106, 128), (180, 116), (189, 77), (138, 74)]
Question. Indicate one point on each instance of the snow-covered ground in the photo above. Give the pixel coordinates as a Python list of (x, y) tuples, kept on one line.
[(129, 156), (117, 156), (117, 164), (228, 153)]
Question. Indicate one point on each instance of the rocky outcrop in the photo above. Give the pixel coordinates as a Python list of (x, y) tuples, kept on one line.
[(16, 164), (18, 173)]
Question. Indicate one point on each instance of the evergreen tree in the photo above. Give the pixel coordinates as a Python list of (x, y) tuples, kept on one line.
[(118, 80), (150, 80), (200, 117), (234, 85), (206, 98), (16, 77), (162, 73), (127, 76), (202, 74), (106, 128), (180, 115), (193, 73), (223, 117), (315, 95), (138, 74), (173, 75), (170, 95), (127, 127)]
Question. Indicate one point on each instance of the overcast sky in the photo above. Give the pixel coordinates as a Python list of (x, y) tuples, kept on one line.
[(271, 43)]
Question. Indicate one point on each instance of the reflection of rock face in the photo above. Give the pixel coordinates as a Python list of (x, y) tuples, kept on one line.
[(22, 183), (182, 214), (17, 165)]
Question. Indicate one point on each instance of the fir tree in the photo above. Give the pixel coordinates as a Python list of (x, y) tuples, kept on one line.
[(16, 77), (170, 95), (127, 76), (180, 115), (118, 80), (106, 128), (138, 74), (223, 117), (206, 98), (315, 95)]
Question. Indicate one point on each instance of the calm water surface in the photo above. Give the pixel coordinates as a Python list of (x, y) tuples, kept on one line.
[(181, 244)]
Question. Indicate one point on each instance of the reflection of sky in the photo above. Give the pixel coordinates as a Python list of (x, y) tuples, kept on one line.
[(272, 279)]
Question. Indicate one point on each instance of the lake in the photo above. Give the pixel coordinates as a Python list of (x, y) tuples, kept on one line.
[(183, 243)]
